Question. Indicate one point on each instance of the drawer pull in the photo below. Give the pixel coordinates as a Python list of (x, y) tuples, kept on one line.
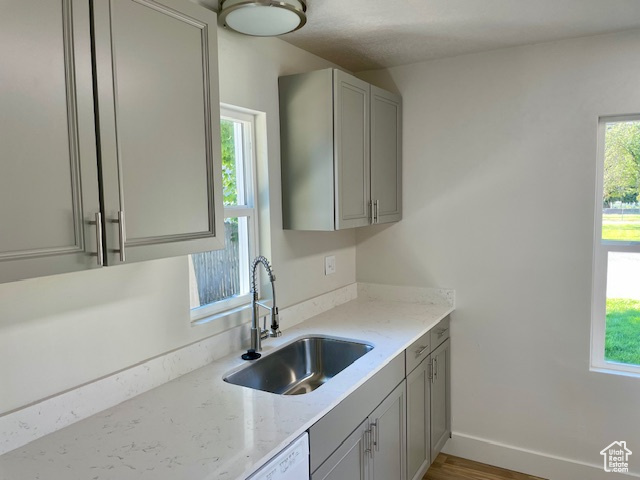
[(442, 332), (422, 350)]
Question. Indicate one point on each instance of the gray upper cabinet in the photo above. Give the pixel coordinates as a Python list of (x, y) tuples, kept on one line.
[(157, 92), (386, 155), (150, 178), (341, 152), (351, 150), (48, 173)]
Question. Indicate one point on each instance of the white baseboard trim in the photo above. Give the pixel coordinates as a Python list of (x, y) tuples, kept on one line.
[(26, 424), (522, 460)]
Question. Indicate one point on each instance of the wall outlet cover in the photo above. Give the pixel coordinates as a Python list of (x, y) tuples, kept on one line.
[(329, 264)]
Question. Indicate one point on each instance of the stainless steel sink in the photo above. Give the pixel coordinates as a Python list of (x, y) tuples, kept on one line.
[(300, 367)]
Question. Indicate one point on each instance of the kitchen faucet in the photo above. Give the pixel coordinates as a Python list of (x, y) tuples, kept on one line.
[(257, 334)]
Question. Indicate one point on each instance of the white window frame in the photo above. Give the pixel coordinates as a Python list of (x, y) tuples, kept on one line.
[(601, 249), (248, 209)]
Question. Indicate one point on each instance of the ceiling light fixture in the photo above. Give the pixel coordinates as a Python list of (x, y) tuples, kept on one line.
[(263, 18)]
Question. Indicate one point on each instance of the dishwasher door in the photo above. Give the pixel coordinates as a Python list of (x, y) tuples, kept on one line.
[(292, 463)]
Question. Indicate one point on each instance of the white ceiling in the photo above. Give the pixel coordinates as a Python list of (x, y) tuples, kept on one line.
[(368, 34)]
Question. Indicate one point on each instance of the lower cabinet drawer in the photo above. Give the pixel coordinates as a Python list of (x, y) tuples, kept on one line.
[(418, 351), (440, 333)]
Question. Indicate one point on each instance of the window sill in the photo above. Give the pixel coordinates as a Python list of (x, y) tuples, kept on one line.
[(227, 319), (617, 369), (236, 315)]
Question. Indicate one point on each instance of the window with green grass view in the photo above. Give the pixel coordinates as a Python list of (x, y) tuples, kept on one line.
[(616, 283), (219, 280)]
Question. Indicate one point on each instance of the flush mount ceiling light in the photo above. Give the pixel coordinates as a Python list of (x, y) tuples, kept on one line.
[(263, 18)]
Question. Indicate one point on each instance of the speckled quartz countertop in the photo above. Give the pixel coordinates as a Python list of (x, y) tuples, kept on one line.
[(198, 427)]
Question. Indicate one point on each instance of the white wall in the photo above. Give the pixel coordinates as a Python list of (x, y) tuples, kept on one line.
[(59, 332), (499, 173)]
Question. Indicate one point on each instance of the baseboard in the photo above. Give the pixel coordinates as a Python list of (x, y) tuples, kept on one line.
[(531, 462)]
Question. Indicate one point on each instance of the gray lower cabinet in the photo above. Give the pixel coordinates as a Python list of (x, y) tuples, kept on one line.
[(405, 430), (387, 425), (341, 152), (418, 420), (376, 449), (428, 399), (150, 179), (350, 460), (440, 398)]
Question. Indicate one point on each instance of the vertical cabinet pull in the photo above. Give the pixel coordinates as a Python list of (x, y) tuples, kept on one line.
[(374, 435), (377, 210), (367, 442), (122, 235), (371, 217), (435, 369), (99, 250)]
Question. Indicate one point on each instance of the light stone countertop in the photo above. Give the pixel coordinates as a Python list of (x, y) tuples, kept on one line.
[(199, 427)]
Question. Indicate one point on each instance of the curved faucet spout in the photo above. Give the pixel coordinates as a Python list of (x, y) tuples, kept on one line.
[(254, 267), (256, 333)]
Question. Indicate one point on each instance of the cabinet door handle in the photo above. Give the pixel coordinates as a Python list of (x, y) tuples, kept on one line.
[(375, 435), (122, 234), (367, 442), (99, 249), (377, 210), (435, 369), (371, 218), (422, 350)]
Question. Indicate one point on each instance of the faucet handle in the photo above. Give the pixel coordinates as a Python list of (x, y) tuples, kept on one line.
[(275, 333), (264, 333)]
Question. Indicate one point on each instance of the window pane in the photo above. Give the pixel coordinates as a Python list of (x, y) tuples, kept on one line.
[(622, 340), (621, 192), (222, 274), (232, 141)]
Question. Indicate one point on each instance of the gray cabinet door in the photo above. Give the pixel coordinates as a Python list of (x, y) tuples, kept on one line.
[(386, 155), (418, 420), (387, 424), (350, 461), (440, 398), (159, 136), (351, 150), (48, 172)]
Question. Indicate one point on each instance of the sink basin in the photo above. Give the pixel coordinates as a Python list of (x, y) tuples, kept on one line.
[(301, 366)]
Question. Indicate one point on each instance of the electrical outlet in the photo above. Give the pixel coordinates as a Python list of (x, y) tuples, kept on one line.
[(329, 264)]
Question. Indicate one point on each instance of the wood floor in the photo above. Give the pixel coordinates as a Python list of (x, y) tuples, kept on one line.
[(448, 467)]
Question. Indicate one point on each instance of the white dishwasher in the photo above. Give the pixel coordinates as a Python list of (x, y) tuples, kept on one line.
[(292, 463)]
